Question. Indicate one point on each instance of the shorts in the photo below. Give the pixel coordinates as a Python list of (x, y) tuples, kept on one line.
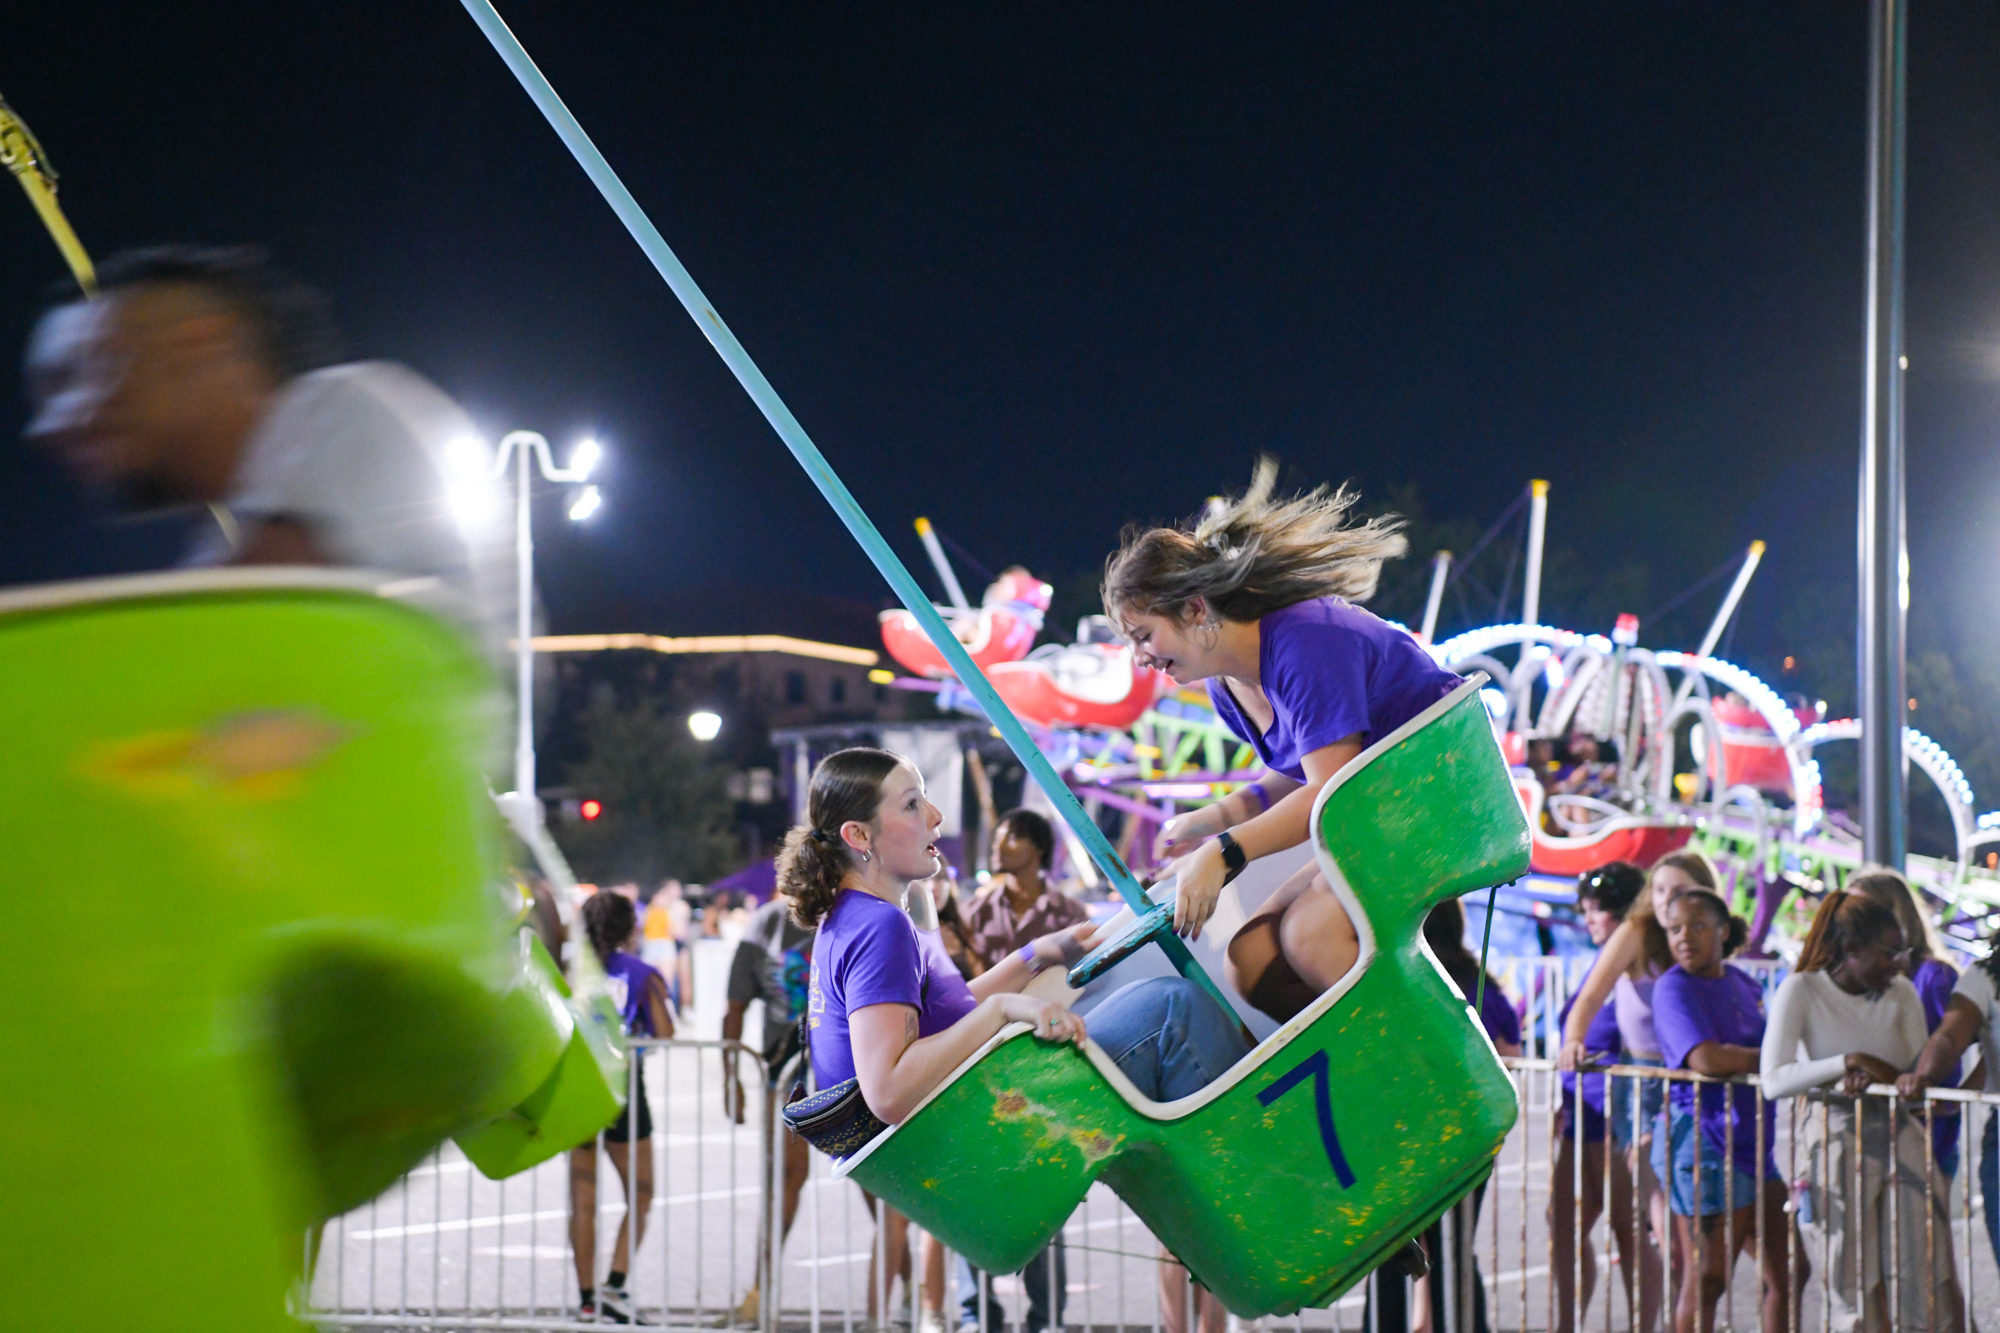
[(620, 1129), (776, 1058), (1652, 1095), (1680, 1144), (1593, 1120)]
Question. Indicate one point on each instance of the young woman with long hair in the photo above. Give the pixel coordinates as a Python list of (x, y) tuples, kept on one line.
[(885, 1010), (611, 924), (1934, 978), (1848, 1017), (1258, 599)]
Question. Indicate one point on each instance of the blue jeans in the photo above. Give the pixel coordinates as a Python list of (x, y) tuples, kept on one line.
[(1168, 1036)]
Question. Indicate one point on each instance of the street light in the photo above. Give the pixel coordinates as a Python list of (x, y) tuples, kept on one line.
[(519, 445), (704, 726)]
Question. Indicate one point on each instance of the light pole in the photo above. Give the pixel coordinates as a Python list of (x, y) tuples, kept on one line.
[(520, 444), (1884, 555)]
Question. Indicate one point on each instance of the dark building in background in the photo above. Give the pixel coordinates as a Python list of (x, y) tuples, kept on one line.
[(772, 660)]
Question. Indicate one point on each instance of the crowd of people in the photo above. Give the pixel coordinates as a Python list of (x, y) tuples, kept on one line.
[(1688, 1170)]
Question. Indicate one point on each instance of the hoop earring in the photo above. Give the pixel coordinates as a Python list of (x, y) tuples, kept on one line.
[(1209, 633), (864, 856)]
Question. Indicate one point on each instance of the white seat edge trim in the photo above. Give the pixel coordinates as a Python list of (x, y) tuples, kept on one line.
[(230, 578)]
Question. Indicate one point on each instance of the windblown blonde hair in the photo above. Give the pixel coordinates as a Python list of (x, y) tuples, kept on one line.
[(1252, 555)]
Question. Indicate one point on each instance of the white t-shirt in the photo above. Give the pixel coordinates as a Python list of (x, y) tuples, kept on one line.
[(1814, 1025), (1976, 985), (365, 457)]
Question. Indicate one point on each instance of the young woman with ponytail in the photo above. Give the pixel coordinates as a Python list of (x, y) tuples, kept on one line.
[(1258, 599), (1848, 1017), (1934, 978), (1710, 1019), (883, 1009), (611, 924)]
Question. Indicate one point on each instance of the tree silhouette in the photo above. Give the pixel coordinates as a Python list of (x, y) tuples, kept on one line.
[(666, 807)]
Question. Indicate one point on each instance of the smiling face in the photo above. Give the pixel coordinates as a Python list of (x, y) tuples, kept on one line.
[(1875, 963), (1169, 645), (1695, 936), (903, 838)]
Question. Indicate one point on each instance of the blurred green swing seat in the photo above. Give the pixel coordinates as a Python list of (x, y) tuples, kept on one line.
[(1345, 1133), (259, 964)]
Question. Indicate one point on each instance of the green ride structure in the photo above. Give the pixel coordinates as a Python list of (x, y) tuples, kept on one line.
[(285, 769)]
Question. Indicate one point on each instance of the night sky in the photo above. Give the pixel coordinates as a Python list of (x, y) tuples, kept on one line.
[(1037, 270)]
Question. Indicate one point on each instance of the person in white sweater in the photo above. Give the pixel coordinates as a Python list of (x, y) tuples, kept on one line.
[(1846, 1018)]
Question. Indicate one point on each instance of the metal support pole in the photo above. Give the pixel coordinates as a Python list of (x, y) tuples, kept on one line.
[(1723, 613), (1440, 569), (524, 637), (821, 472), (946, 574), (1538, 515), (1883, 559), (1751, 558)]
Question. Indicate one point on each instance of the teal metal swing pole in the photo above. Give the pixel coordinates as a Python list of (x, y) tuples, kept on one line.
[(823, 476)]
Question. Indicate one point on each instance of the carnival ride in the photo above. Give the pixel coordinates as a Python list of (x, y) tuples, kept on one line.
[(1423, 815), (285, 765), (293, 757)]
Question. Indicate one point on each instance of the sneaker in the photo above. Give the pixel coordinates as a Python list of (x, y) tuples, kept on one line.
[(586, 1311), (614, 1306), (930, 1321)]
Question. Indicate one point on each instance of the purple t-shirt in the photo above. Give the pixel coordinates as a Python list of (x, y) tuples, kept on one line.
[(1934, 982), (1497, 1016), (630, 979), (1600, 1038), (1689, 1010), (1330, 669), (868, 952)]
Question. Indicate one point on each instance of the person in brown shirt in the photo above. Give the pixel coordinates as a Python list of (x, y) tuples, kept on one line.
[(1019, 904)]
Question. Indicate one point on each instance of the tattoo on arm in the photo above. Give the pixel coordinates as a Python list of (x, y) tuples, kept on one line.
[(910, 1027)]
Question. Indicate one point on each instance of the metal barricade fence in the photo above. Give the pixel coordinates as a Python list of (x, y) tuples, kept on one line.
[(446, 1248), (1838, 1218)]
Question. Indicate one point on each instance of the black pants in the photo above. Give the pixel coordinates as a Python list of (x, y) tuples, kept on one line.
[(1389, 1310), (1046, 1271)]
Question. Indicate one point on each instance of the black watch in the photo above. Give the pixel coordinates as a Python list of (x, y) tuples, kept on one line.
[(1233, 856)]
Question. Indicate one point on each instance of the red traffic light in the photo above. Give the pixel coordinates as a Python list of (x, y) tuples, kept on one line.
[(591, 809)]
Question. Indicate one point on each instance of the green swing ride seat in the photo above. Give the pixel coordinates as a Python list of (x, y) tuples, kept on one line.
[(1345, 1133), (261, 962)]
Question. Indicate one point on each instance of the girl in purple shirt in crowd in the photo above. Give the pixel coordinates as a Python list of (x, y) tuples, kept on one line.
[(1710, 1019), (611, 923), (1258, 599), (1932, 976)]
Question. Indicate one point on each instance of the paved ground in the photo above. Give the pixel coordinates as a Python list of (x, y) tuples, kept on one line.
[(449, 1241)]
